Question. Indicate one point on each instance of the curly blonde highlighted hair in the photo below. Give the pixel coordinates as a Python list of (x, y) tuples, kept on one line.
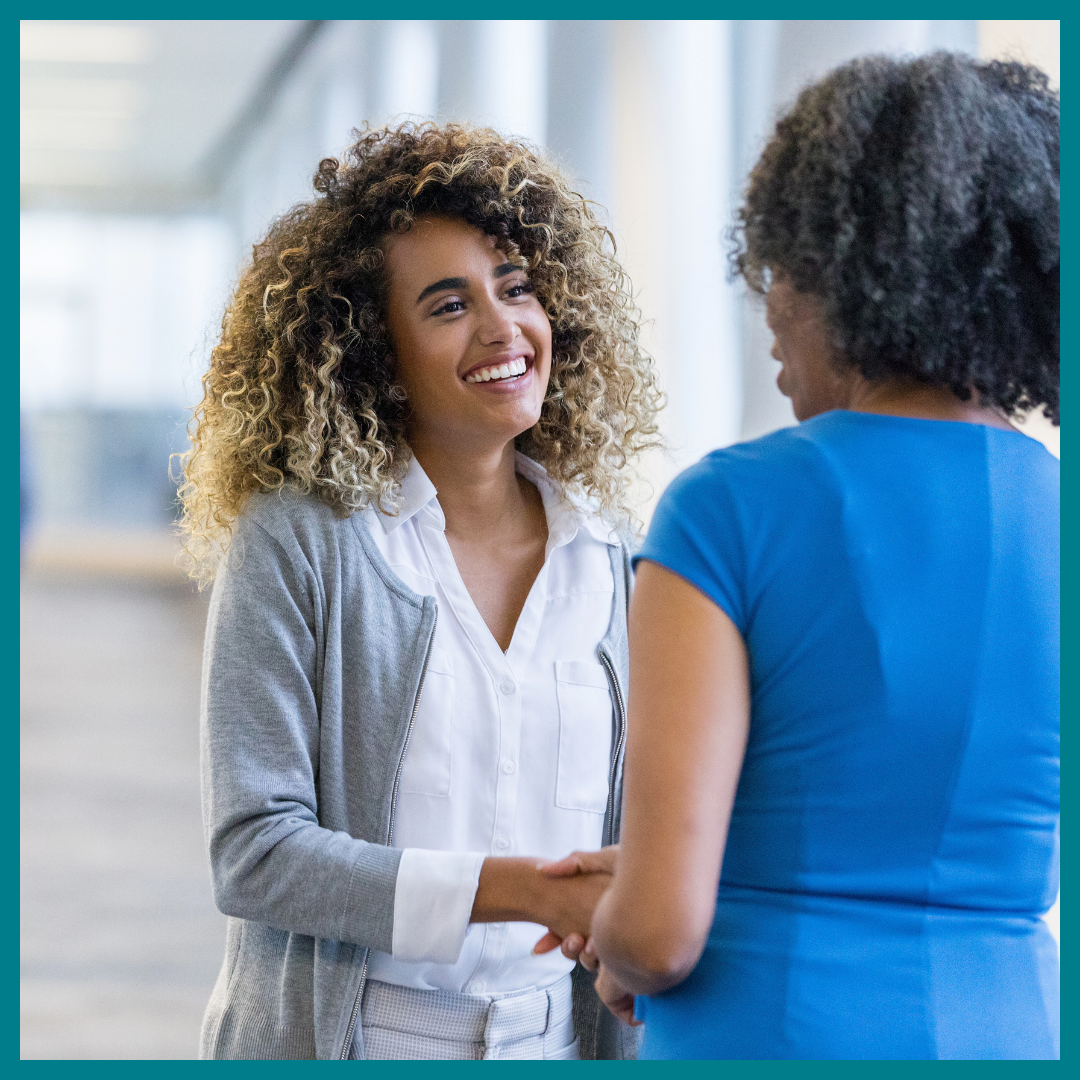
[(301, 386)]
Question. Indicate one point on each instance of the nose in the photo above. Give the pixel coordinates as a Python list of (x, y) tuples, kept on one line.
[(497, 324)]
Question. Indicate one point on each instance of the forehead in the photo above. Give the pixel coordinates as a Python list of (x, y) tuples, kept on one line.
[(439, 243)]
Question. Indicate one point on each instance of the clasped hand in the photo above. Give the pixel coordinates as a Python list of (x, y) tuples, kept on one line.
[(598, 867)]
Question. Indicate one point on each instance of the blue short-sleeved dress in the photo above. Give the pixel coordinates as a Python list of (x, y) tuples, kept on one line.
[(894, 835)]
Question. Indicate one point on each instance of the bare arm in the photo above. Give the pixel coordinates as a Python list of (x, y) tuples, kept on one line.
[(517, 890), (688, 726)]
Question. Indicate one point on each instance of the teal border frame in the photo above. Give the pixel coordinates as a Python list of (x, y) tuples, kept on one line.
[(554, 9)]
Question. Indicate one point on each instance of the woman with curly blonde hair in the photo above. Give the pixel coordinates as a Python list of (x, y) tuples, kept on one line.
[(409, 480)]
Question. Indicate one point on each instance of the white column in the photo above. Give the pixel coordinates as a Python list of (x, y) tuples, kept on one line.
[(497, 76), (406, 54), (673, 198), (343, 99), (580, 128)]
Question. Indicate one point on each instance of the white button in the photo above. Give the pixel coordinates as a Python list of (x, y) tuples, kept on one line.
[(507, 687), (508, 766), (501, 842), (476, 988)]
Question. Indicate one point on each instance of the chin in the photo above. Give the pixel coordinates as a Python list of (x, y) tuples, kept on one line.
[(505, 429)]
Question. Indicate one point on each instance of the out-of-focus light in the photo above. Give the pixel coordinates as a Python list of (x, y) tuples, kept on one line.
[(82, 114), (411, 68), (1032, 41), (84, 43), (58, 128), (119, 96), (64, 167)]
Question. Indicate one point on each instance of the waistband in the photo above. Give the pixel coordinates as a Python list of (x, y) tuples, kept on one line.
[(403, 1022)]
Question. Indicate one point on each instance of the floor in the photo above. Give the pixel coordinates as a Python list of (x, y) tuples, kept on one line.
[(121, 942)]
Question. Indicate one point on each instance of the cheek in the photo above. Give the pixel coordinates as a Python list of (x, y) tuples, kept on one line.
[(540, 333), (783, 352), (423, 362)]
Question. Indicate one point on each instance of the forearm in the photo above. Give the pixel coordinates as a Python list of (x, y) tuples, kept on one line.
[(509, 890), (294, 875), (515, 890), (687, 732)]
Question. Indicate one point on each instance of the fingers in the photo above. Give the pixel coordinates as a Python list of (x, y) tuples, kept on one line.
[(584, 862), (570, 902), (588, 958), (605, 858), (548, 942), (572, 946), (619, 1001), (597, 862), (567, 867)]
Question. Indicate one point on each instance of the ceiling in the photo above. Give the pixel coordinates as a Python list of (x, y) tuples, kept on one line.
[(129, 115)]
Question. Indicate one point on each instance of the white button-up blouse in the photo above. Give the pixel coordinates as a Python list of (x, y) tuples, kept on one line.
[(509, 752)]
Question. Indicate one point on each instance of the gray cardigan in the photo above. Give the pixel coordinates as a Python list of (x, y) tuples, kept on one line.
[(313, 667)]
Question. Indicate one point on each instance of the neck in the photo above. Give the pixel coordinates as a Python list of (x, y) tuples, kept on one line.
[(479, 491), (919, 401)]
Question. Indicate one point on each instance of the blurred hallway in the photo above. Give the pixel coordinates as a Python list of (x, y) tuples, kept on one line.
[(121, 942)]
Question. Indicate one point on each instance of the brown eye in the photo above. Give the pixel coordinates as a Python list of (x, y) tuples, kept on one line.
[(450, 307)]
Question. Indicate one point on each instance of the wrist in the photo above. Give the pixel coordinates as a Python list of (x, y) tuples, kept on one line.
[(510, 890)]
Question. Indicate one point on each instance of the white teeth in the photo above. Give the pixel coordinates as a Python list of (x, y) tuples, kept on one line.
[(508, 370)]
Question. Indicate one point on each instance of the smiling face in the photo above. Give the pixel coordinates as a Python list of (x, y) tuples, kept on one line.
[(472, 341), (811, 373)]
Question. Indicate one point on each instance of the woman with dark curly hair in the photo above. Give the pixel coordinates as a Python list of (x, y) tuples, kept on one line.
[(840, 825), (408, 474)]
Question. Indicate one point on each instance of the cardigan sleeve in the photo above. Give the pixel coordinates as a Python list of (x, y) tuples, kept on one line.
[(271, 861)]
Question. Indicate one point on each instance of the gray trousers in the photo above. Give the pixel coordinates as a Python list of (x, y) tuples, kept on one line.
[(402, 1023)]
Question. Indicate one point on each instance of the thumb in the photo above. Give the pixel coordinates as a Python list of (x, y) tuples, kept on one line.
[(566, 867), (548, 942)]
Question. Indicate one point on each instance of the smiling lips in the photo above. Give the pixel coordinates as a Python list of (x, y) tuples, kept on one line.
[(510, 370)]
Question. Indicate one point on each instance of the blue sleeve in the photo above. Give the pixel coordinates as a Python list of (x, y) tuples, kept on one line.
[(696, 533)]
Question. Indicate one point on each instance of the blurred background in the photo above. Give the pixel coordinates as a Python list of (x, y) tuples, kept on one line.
[(153, 154)]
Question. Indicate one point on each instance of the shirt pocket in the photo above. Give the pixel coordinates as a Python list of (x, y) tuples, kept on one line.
[(429, 757), (584, 736)]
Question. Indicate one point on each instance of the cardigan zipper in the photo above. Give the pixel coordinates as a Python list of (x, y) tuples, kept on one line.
[(356, 1009), (351, 1029), (620, 734), (408, 733)]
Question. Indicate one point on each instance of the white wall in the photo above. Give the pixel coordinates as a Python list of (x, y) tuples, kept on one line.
[(115, 311)]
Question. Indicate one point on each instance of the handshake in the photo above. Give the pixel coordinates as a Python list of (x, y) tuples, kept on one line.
[(577, 883)]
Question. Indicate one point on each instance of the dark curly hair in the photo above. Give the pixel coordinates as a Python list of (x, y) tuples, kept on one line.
[(920, 200), (301, 388)]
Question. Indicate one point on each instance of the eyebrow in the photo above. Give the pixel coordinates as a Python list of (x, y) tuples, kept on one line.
[(461, 283), (446, 283)]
